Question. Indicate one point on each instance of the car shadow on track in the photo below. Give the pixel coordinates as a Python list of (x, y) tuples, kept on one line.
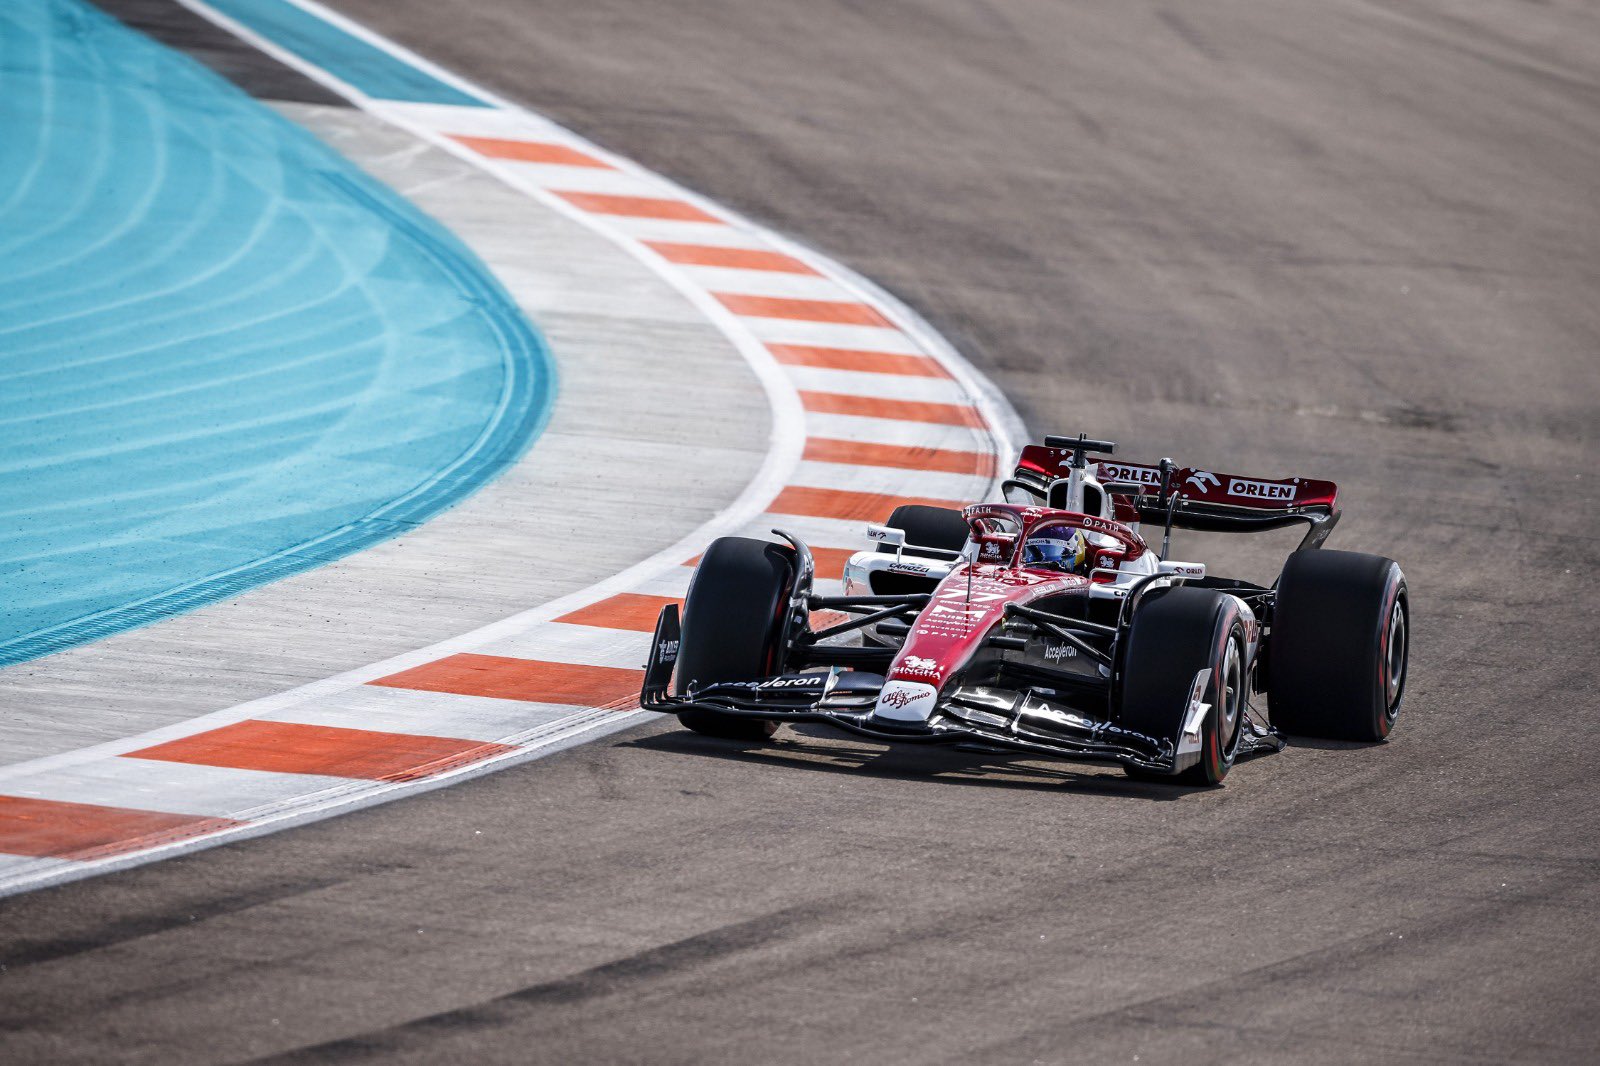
[(1333, 745), (806, 748)]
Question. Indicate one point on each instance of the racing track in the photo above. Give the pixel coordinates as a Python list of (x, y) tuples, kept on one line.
[(1344, 238)]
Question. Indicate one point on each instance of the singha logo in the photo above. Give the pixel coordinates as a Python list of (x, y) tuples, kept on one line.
[(915, 662)]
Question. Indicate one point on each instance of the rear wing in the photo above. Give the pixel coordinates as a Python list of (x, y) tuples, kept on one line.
[(1204, 500)]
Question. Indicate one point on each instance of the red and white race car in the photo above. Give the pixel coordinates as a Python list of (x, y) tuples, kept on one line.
[(1049, 625)]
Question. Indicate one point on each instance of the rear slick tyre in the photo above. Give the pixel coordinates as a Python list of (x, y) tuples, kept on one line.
[(1339, 647), (1176, 633), (942, 528), (732, 619)]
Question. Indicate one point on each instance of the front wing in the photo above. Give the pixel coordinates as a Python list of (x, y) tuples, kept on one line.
[(848, 701)]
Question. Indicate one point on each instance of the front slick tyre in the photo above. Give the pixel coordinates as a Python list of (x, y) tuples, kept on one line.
[(732, 619), (1339, 646), (1176, 633)]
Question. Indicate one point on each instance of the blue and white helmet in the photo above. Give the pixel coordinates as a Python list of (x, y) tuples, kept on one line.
[(1058, 548)]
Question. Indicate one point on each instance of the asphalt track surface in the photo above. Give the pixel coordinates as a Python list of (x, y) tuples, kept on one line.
[(1345, 239)]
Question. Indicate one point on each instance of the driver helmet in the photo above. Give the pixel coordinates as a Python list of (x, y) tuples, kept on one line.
[(1059, 548)]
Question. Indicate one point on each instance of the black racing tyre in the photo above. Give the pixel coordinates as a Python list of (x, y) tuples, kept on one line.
[(732, 619), (1339, 645), (928, 527), (1176, 633)]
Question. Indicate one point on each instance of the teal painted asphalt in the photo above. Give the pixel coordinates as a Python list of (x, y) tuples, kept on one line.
[(225, 354)]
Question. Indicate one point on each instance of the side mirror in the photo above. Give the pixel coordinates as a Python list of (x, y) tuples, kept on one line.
[(895, 538)]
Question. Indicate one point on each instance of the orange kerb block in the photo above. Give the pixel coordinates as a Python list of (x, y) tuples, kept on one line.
[(737, 258), (333, 751), (81, 831), (855, 359), (839, 503), (834, 403), (834, 311), (636, 206), (531, 152), (626, 610), (523, 679)]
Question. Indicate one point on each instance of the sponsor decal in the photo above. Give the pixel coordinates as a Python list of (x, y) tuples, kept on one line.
[(1107, 562), (1203, 480), (1056, 652), (917, 667), (900, 697), (667, 651), (1187, 569), (956, 613), (1098, 525), (1133, 475), (1260, 490), (976, 595), (810, 681), (908, 568), (906, 701), (941, 610)]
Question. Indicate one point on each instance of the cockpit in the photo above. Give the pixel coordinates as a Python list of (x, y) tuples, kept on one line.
[(1058, 547)]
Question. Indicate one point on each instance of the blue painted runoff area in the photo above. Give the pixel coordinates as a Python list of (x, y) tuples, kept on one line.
[(361, 65), (226, 355)]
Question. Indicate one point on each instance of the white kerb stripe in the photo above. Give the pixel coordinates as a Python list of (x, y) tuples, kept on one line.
[(830, 335), (173, 787), (433, 714), (778, 283), (892, 481), (880, 386), (895, 431)]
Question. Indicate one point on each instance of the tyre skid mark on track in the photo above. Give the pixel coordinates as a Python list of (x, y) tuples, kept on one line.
[(555, 675), (19, 953), (609, 978)]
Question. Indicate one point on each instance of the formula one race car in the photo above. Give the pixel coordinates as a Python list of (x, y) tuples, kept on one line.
[(1048, 625)]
